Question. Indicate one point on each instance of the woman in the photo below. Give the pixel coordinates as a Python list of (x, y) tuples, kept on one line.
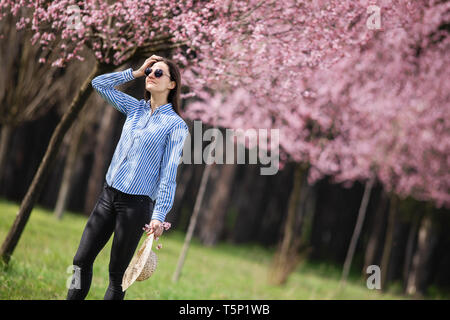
[(141, 179)]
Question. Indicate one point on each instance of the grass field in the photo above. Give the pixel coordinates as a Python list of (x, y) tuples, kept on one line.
[(40, 268)]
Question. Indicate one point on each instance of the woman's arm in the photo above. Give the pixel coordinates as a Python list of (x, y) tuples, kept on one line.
[(170, 160), (104, 84), (137, 74)]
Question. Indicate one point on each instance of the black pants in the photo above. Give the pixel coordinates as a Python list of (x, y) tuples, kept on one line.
[(118, 212)]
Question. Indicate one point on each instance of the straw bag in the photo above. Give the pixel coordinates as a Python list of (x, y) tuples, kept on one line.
[(142, 266)]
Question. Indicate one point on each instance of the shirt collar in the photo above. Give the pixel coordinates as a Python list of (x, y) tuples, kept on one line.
[(165, 108)]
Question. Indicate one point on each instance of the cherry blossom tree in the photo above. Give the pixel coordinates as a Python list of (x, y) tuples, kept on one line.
[(388, 104), (116, 33), (269, 67), (271, 74)]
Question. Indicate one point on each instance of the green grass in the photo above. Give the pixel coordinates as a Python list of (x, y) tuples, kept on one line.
[(39, 267)]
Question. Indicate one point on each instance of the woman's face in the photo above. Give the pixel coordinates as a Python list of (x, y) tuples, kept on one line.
[(161, 84)]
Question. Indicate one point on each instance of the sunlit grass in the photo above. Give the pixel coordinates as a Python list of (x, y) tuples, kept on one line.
[(39, 267)]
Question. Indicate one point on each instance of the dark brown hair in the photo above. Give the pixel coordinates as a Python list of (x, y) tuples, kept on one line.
[(174, 94)]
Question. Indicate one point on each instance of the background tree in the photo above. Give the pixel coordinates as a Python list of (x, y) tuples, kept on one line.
[(115, 33), (280, 52), (27, 88), (388, 104)]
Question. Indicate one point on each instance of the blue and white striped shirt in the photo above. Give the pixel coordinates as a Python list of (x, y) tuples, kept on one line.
[(149, 150)]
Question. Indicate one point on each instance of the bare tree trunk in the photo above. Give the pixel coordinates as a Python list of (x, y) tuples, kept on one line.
[(103, 151), (388, 240), (307, 219), (39, 179), (249, 200), (69, 168), (5, 137), (374, 242), (417, 280), (410, 244), (216, 209), (357, 231), (192, 221), (182, 187), (286, 257)]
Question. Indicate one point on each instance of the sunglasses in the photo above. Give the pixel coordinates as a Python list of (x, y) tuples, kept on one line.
[(158, 73)]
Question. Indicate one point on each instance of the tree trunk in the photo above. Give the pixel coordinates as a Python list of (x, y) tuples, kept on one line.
[(374, 243), (69, 168), (418, 277), (102, 154), (357, 231), (187, 173), (195, 213), (410, 245), (286, 257), (5, 137), (388, 240), (213, 222), (39, 179), (305, 224), (192, 221), (249, 199)]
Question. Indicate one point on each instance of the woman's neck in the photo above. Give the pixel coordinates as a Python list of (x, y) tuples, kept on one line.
[(157, 101)]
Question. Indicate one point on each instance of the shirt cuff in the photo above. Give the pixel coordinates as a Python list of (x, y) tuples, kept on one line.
[(158, 216), (128, 74)]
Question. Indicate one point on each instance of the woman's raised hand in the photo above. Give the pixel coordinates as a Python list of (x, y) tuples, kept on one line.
[(141, 71)]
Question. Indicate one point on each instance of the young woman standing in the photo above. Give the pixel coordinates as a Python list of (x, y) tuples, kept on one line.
[(141, 179)]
